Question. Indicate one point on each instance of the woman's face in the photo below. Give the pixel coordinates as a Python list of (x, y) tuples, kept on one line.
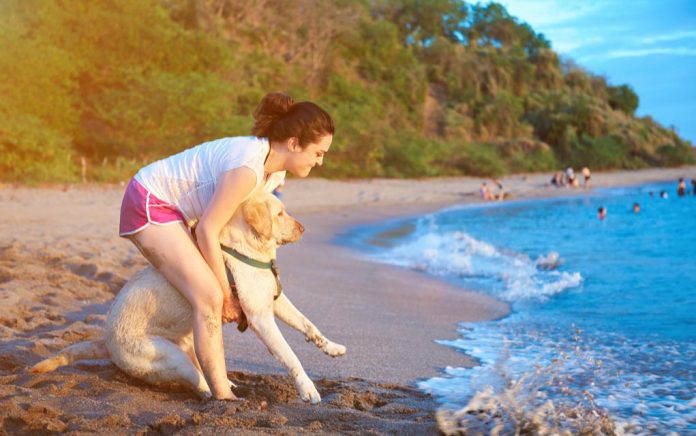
[(302, 160)]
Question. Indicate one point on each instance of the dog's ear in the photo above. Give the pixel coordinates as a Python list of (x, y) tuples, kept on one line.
[(258, 215)]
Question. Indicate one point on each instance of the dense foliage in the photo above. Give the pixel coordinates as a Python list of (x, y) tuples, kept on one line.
[(417, 88)]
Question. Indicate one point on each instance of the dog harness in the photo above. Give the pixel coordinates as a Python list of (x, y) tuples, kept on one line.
[(256, 264), (242, 324)]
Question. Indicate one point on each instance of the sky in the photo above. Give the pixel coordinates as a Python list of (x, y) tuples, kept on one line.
[(647, 44)]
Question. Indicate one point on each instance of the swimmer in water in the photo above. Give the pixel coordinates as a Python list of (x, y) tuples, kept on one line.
[(681, 188), (602, 212), (549, 262)]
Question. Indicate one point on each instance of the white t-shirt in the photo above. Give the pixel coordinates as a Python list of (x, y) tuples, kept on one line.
[(188, 179)]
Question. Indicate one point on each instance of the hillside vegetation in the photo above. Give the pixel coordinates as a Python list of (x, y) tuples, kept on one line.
[(417, 88)]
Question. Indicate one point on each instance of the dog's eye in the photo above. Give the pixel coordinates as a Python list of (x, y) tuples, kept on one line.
[(280, 213)]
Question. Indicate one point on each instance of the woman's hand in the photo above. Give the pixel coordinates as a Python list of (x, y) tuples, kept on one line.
[(231, 309)]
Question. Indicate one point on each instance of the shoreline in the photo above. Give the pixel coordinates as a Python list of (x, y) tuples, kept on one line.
[(61, 262)]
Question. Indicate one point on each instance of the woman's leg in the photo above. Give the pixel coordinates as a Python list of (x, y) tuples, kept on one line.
[(172, 250)]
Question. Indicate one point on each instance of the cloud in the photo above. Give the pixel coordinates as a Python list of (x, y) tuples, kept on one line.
[(687, 34), (640, 52), (569, 25), (540, 13), (568, 40)]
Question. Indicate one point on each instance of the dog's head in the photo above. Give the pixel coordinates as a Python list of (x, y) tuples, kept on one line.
[(262, 223), (266, 216)]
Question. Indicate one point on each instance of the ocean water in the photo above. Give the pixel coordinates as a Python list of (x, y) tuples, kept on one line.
[(603, 320)]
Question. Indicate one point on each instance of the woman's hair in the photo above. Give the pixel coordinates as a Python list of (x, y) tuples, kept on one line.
[(278, 118)]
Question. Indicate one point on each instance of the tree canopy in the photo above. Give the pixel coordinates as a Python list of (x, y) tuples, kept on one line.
[(417, 88)]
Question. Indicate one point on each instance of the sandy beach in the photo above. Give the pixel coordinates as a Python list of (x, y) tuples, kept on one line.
[(61, 262)]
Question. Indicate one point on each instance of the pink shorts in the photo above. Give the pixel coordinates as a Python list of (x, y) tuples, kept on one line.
[(140, 208)]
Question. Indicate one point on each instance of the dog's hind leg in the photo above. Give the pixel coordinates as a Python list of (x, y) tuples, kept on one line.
[(158, 360), (288, 313), (267, 330), (80, 351), (186, 345)]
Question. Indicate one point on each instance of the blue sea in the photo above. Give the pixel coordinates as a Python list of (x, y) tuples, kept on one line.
[(603, 320)]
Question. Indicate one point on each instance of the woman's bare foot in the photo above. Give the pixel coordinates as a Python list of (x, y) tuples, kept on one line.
[(230, 397)]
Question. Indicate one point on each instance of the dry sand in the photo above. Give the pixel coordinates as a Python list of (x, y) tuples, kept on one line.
[(61, 263)]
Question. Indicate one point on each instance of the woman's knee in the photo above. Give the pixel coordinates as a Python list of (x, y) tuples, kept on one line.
[(208, 299), (183, 266)]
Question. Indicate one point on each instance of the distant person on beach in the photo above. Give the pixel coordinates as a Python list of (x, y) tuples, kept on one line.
[(557, 179), (501, 191), (586, 174), (602, 212), (201, 188), (486, 193), (570, 177), (681, 188), (693, 186), (664, 194), (636, 208)]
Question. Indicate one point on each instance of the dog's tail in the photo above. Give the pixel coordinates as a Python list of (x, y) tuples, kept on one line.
[(80, 351)]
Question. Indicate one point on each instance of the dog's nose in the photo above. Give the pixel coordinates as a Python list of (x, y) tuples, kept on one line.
[(300, 227)]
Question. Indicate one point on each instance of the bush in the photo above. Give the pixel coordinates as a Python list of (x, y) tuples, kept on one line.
[(526, 155), (499, 117), (601, 153), (675, 155), (478, 160), (31, 152), (407, 155), (623, 98), (156, 114)]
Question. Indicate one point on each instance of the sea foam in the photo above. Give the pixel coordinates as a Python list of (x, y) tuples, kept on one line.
[(508, 275)]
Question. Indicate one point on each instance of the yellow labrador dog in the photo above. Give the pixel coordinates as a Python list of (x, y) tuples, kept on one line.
[(149, 330)]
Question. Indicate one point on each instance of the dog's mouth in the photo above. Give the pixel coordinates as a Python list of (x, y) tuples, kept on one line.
[(294, 236), (290, 239), (291, 234)]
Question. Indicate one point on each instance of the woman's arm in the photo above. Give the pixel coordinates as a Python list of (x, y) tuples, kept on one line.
[(231, 190)]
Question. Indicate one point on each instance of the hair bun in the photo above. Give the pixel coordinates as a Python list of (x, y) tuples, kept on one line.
[(274, 104), (278, 117), (272, 107)]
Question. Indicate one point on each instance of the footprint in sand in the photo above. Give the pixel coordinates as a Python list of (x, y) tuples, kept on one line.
[(86, 270), (5, 277)]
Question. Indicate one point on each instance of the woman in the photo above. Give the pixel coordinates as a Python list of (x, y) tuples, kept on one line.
[(203, 186)]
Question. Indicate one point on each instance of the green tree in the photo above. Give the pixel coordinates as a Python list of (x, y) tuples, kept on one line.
[(38, 115), (417, 88), (623, 98), (419, 22)]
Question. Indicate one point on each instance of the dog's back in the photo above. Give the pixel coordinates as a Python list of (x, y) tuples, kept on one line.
[(148, 305)]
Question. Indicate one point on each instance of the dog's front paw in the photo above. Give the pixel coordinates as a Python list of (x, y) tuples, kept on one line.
[(307, 391), (333, 349), (205, 395)]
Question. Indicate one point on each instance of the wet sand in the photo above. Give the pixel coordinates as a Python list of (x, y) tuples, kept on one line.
[(61, 264)]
